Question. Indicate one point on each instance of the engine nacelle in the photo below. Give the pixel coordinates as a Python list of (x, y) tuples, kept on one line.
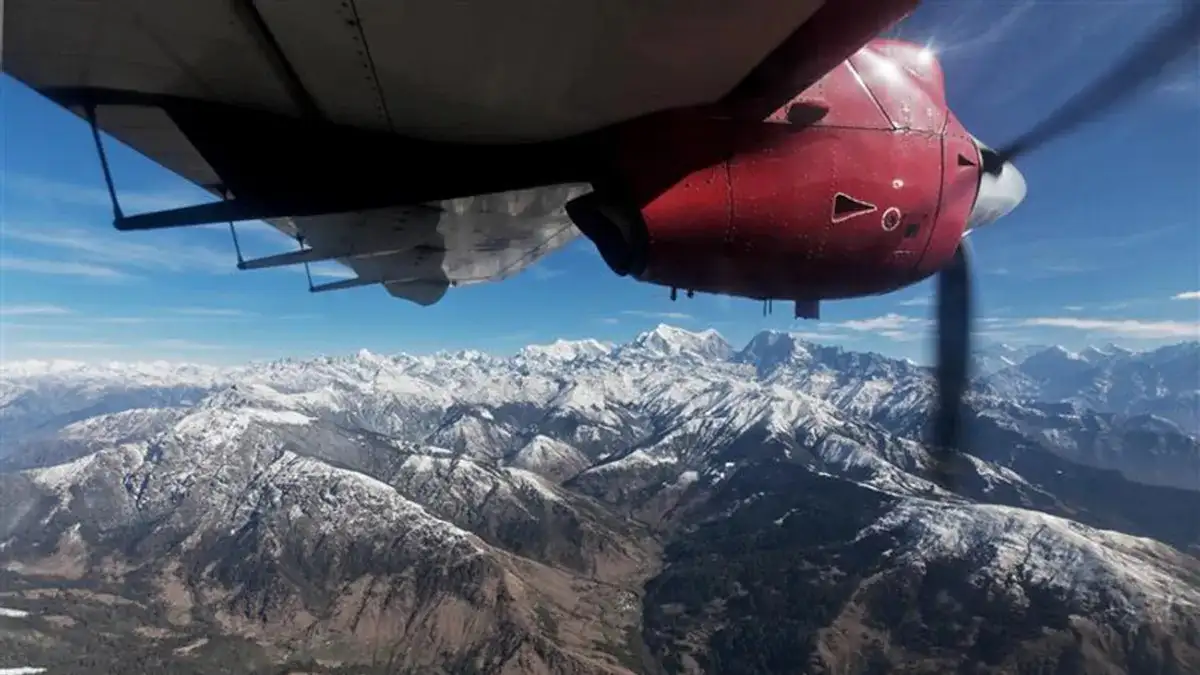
[(860, 185)]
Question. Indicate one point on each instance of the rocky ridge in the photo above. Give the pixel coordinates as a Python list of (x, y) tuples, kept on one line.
[(472, 513)]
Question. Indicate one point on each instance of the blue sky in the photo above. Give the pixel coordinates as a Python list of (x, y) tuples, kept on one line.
[(1105, 248)]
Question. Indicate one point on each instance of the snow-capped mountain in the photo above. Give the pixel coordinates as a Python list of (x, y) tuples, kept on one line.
[(668, 341), (1163, 382), (45, 395), (565, 350), (464, 511), (992, 357)]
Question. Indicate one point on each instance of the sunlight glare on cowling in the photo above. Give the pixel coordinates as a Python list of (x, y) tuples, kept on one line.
[(887, 69)]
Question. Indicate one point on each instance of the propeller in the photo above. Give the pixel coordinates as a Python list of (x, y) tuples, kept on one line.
[(1144, 62), (953, 363), (1147, 60)]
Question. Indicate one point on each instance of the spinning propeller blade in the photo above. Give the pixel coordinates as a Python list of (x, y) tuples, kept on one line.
[(953, 362), (1140, 66), (1146, 61)]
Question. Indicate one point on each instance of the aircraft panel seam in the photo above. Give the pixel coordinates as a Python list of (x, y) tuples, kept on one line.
[(362, 35)]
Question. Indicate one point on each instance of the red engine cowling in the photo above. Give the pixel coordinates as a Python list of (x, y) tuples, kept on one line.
[(871, 197)]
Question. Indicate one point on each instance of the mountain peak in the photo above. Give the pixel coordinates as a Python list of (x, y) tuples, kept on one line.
[(1054, 354), (665, 340), (669, 331), (1108, 352), (772, 348), (566, 350)]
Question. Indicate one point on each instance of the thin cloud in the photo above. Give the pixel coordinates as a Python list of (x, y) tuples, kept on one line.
[(1064, 268), (917, 302), (819, 336), (74, 345), (1132, 237), (899, 335), (1126, 328), (132, 201), (256, 227), (996, 32), (9, 325), (892, 326), (121, 319), (1187, 295), (33, 310), (124, 350), (120, 250), (889, 321), (1041, 268), (171, 343), (1074, 308), (611, 321), (60, 268), (1004, 335), (543, 273), (666, 316), (114, 249), (212, 312), (1054, 257), (954, 37), (1184, 86)]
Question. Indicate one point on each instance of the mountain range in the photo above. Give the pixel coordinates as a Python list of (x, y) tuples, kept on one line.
[(670, 504)]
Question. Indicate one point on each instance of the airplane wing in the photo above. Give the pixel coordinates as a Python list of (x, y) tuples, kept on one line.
[(518, 70), (462, 72)]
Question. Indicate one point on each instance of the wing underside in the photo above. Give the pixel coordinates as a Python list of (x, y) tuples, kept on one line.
[(469, 71), (520, 70)]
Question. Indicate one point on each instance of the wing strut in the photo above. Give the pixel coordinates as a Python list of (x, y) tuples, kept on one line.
[(226, 210), (90, 110), (307, 267), (237, 247)]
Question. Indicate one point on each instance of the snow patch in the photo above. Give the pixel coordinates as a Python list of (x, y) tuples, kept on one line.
[(1047, 550), (62, 476), (534, 482)]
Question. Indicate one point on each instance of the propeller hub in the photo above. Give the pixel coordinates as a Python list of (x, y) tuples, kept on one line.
[(1001, 189)]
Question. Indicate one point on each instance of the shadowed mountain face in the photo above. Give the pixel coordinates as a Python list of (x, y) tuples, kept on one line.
[(668, 505)]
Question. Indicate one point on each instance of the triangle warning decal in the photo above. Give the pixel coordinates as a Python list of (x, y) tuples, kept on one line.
[(846, 207)]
